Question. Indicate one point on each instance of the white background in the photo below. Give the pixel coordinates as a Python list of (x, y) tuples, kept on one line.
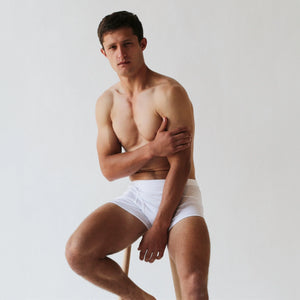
[(238, 60)]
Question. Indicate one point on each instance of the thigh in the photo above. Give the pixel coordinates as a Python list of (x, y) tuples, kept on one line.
[(192, 254), (107, 230)]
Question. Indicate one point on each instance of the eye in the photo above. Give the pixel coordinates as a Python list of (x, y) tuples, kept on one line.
[(127, 44), (112, 47)]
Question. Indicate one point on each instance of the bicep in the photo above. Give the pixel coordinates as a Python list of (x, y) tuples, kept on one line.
[(178, 108), (107, 141)]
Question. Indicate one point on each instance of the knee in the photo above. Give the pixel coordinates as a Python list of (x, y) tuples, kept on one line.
[(77, 257), (196, 285)]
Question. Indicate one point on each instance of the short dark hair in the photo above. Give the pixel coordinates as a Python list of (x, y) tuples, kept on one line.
[(120, 19)]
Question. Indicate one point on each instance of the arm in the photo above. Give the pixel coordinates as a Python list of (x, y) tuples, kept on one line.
[(180, 113), (179, 110), (115, 164), (173, 189)]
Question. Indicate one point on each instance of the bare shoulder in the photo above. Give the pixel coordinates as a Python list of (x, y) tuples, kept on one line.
[(172, 101), (106, 98), (171, 92), (104, 104)]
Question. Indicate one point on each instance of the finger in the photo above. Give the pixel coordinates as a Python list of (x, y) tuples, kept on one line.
[(157, 255), (141, 244), (153, 258), (182, 147), (141, 249), (181, 135), (179, 130), (160, 254), (182, 140), (163, 125), (148, 255), (142, 254)]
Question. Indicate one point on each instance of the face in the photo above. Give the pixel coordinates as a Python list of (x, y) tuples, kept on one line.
[(124, 52)]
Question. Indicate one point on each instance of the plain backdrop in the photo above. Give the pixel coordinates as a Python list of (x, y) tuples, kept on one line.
[(239, 62)]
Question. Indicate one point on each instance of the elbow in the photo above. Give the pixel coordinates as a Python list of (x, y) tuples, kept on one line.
[(107, 172), (105, 169), (108, 175), (110, 178)]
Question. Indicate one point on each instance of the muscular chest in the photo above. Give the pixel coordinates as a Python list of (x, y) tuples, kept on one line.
[(135, 122)]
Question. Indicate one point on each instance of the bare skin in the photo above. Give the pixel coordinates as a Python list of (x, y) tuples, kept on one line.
[(151, 117)]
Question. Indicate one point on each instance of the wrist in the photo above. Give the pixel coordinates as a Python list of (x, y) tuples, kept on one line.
[(161, 225), (150, 150)]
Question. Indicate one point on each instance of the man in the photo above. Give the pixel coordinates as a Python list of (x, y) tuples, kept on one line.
[(150, 116)]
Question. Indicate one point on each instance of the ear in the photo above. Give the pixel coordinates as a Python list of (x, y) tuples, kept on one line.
[(143, 43), (103, 52)]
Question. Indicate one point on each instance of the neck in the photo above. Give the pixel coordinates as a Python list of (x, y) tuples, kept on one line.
[(134, 84)]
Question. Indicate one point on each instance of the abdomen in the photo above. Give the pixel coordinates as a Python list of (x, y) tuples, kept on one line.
[(156, 168)]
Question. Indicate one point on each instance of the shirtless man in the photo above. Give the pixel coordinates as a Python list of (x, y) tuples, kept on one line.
[(151, 117)]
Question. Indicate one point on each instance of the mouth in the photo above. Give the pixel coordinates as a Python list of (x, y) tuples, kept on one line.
[(123, 63)]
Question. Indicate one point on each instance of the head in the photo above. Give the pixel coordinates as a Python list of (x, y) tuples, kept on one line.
[(117, 20), (122, 41)]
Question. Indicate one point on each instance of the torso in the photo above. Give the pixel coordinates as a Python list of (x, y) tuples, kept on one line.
[(135, 122)]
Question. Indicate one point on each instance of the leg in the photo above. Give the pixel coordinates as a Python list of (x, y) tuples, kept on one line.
[(191, 256), (107, 230), (176, 281), (126, 262)]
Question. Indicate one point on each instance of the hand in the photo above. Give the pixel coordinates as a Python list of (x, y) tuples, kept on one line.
[(169, 142), (153, 244)]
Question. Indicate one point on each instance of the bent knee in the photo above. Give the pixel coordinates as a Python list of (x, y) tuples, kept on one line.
[(75, 257), (78, 256)]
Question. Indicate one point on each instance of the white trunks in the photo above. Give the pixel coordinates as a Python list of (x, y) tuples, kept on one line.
[(143, 197)]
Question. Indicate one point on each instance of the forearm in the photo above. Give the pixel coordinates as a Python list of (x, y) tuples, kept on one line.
[(125, 164), (172, 193)]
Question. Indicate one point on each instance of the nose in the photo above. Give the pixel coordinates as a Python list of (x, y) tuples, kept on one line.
[(121, 52)]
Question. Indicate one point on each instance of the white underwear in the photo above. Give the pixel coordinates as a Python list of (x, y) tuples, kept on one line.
[(143, 197)]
